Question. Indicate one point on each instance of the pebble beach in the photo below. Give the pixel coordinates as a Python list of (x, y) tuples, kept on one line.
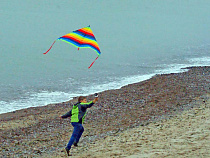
[(165, 116)]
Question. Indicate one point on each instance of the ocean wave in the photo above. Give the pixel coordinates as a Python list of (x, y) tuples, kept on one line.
[(46, 97), (36, 99), (116, 84), (202, 61)]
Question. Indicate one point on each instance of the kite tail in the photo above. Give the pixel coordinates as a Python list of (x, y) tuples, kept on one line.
[(93, 62), (50, 47)]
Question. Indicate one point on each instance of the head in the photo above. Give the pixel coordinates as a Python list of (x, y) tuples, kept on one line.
[(82, 99)]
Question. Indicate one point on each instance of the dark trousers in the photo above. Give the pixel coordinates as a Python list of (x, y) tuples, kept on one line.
[(77, 133)]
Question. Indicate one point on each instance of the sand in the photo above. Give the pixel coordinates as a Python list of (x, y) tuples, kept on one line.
[(165, 116), (184, 135)]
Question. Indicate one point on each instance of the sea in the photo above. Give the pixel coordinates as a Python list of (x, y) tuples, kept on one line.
[(138, 39)]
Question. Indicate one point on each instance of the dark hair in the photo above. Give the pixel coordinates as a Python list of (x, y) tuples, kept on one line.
[(81, 98)]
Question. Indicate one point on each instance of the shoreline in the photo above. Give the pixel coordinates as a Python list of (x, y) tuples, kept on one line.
[(37, 131), (135, 79), (151, 76)]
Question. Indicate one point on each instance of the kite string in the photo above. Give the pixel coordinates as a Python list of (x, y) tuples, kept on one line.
[(50, 48), (93, 62)]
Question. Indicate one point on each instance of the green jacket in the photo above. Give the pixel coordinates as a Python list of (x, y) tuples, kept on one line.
[(78, 112)]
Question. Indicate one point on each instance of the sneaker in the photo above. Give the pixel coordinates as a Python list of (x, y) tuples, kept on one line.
[(67, 151), (75, 144)]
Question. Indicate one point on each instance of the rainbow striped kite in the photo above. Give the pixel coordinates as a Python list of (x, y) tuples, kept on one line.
[(82, 38)]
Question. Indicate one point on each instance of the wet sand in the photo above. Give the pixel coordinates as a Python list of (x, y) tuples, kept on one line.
[(164, 116)]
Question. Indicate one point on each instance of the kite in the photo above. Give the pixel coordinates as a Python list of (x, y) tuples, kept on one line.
[(82, 38)]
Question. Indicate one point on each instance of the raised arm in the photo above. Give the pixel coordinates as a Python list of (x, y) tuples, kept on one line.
[(88, 105)]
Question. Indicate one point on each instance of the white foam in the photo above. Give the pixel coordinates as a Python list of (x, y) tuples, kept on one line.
[(36, 99), (172, 68), (177, 68), (118, 83), (203, 61)]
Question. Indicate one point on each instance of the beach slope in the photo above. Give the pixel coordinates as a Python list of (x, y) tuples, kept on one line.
[(165, 116), (183, 135)]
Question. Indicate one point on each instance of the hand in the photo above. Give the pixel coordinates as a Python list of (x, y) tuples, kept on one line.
[(60, 117), (95, 100)]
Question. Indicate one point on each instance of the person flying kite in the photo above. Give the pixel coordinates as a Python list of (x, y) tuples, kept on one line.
[(82, 38), (77, 114)]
